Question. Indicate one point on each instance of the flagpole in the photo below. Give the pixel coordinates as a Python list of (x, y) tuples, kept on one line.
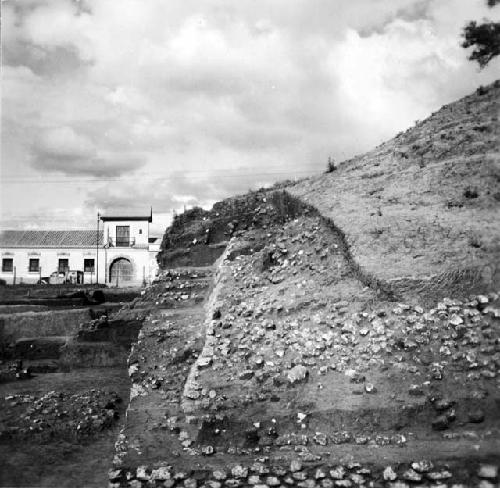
[(97, 250)]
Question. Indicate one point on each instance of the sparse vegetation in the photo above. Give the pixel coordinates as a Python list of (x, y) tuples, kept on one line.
[(470, 192), (375, 174), (330, 167), (449, 170), (377, 232), (475, 241), (453, 204)]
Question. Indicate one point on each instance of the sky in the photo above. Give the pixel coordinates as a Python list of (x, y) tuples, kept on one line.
[(122, 105)]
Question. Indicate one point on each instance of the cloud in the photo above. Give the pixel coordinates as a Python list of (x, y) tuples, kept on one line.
[(178, 191), (64, 143), (63, 150), (110, 167), (192, 101), (409, 12)]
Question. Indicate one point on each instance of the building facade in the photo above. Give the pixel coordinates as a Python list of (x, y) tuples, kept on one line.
[(120, 253)]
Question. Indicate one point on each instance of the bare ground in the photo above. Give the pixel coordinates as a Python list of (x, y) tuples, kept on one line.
[(62, 460), (378, 373)]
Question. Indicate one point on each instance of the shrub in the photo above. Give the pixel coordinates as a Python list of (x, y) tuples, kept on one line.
[(482, 90), (475, 241), (330, 167), (470, 192)]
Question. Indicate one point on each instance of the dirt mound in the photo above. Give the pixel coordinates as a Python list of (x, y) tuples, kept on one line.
[(298, 343), (310, 375)]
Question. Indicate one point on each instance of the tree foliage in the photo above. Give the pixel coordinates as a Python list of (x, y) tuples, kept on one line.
[(484, 38)]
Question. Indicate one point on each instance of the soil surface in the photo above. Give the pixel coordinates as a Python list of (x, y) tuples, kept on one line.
[(309, 373), (60, 408), (56, 430)]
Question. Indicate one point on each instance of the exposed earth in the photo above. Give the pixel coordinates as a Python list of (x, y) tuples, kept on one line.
[(310, 375), (351, 333), (64, 385), (339, 331), (59, 429)]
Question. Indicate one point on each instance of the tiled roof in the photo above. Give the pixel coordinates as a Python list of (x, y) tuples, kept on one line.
[(49, 238), (105, 218)]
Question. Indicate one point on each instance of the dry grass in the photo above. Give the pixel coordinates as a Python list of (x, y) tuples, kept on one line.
[(425, 202)]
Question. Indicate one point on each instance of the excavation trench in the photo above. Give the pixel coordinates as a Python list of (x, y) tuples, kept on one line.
[(212, 386), (64, 386)]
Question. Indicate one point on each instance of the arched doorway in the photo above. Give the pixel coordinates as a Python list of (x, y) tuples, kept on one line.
[(120, 272)]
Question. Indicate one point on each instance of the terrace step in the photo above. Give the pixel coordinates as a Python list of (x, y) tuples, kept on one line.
[(85, 354), (39, 347), (41, 366)]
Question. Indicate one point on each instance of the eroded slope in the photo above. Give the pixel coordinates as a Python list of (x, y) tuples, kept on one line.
[(301, 348), (425, 202), (311, 375), (330, 355)]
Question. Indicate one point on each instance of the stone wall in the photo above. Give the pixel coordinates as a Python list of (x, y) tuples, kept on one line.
[(189, 403)]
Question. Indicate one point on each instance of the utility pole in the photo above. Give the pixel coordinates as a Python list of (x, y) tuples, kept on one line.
[(97, 250)]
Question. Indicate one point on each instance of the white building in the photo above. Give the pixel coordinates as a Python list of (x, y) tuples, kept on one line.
[(120, 253)]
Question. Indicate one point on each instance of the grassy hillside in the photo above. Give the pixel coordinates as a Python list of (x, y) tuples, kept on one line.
[(426, 202)]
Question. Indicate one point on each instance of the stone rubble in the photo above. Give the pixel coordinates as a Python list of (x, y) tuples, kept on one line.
[(289, 327), (58, 414), (267, 335), (264, 473)]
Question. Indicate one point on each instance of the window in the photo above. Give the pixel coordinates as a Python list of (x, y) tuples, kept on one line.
[(122, 235), (63, 265), (88, 265), (7, 265), (140, 231), (34, 265)]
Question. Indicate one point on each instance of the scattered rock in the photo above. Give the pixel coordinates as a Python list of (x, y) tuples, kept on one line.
[(488, 471), (441, 423), (298, 374)]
